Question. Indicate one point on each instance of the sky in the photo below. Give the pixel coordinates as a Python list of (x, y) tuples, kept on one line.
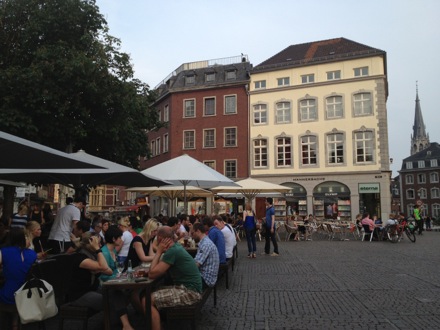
[(161, 35)]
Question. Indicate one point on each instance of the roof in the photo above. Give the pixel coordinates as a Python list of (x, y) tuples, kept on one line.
[(316, 52), (431, 152)]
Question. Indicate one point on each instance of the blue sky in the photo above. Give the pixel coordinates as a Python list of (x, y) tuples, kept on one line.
[(161, 35)]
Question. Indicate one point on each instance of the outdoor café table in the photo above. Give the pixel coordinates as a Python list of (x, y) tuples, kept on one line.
[(192, 251), (124, 284)]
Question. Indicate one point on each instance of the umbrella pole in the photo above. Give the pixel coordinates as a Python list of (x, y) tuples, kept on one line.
[(185, 201)]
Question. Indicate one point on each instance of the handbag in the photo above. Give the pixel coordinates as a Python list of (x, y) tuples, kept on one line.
[(35, 301)]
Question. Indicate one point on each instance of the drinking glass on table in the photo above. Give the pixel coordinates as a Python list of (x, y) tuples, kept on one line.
[(119, 266)]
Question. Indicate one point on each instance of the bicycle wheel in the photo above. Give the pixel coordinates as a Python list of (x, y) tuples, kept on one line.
[(410, 235), (393, 236)]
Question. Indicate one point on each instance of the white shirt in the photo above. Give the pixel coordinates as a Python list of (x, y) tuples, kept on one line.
[(127, 237), (230, 240), (63, 224)]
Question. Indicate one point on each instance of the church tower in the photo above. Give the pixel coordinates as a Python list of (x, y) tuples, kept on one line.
[(419, 138)]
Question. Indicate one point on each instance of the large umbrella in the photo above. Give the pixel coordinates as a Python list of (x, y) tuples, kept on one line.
[(251, 187), (101, 172), (173, 192), (187, 171), (18, 153)]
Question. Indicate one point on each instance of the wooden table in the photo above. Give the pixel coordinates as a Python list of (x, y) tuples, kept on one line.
[(125, 284)]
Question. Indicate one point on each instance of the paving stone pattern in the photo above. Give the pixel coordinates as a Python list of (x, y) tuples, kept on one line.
[(324, 284)]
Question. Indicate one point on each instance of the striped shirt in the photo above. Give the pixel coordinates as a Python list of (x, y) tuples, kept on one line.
[(19, 221)]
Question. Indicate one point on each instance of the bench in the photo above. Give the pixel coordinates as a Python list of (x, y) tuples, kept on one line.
[(224, 269), (180, 313)]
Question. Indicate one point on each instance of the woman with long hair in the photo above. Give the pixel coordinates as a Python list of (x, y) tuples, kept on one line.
[(33, 233), (250, 230), (127, 237)]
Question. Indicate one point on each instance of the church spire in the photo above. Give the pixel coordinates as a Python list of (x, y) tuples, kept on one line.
[(419, 138)]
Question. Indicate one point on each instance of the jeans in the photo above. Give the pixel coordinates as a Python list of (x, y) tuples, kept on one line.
[(251, 240), (419, 226), (270, 237)]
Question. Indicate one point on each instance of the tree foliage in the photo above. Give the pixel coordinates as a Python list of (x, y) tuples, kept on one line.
[(65, 83)]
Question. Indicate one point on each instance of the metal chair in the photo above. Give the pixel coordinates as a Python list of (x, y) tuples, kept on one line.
[(367, 231)]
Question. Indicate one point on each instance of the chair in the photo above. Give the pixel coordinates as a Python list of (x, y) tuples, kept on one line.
[(367, 231), (289, 231)]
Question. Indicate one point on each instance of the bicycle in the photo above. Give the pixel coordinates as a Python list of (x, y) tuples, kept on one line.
[(396, 231)]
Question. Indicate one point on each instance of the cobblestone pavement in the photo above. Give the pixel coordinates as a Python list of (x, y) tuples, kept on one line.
[(324, 284)]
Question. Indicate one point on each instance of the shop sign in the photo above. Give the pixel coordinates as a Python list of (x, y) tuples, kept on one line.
[(308, 179), (369, 188)]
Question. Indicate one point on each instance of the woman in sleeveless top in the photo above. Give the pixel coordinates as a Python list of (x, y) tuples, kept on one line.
[(250, 230)]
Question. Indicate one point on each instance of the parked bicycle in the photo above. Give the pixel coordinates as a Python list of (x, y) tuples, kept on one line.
[(395, 232)]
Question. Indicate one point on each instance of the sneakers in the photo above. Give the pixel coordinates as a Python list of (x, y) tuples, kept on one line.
[(265, 254), (274, 255), (254, 255)]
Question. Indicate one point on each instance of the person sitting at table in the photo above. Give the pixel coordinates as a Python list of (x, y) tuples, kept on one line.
[(216, 236), (16, 261), (113, 237), (127, 237), (229, 236), (33, 233), (207, 258), (88, 263), (171, 257), (174, 223), (366, 221), (141, 247)]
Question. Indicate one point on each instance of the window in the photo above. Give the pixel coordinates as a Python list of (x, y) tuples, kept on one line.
[(410, 194), (422, 193), (261, 84), (231, 168), (308, 150), (433, 177), (283, 81), (166, 113), (210, 163), (307, 110), (308, 78), (153, 148), (284, 151), (189, 139), (230, 137), (209, 109), (283, 113), (230, 104), (190, 80), (361, 72), (190, 109), (260, 153), (333, 107), (409, 179), (159, 115), (165, 143), (210, 77), (436, 210), (435, 193), (231, 74), (334, 75), (158, 146), (421, 164), (362, 104), (364, 147), (209, 138), (260, 114), (434, 163), (421, 178), (335, 148), (409, 165)]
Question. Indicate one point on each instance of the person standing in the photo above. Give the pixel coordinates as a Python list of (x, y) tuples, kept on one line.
[(418, 218), (59, 237), (20, 219), (270, 234), (250, 230)]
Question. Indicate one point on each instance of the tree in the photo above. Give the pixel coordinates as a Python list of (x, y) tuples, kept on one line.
[(65, 83)]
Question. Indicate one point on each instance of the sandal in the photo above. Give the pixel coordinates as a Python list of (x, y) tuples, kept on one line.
[(254, 255), (250, 255)]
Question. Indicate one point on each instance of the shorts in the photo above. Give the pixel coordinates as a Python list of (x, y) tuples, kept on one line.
[(177, 295)]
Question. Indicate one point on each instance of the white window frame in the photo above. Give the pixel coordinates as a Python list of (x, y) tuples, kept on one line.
[(186, 142), (228, 109), (421, 164), (409, 179), (334, 107), (409, 165), (309, 150), (260, 149), (166, 113), (260, 84), (283, 147), (410, 194), (228, 163), (362, 104), (209, 99), (283, 112), (231, 74), (189, 111), (308, 78), (433, 177), (364, 140), (260, 113), (335, 148), (190, 80), (434, 163), (334, 75), (166, 143), (308, 110), (212, 138), (421, 178), (361, 72), (153, 148), (435, 192), (285, 81), (436, 210), (423, 194), (210, 163), (210, 76), (230, 139), (158, 145)]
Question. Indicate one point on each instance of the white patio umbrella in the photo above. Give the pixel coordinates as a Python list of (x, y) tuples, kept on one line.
[(250, 188), (173, 192), (187, 171)]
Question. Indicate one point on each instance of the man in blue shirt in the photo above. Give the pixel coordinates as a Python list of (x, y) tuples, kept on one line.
[(216, 236), (270, 229), (207, 255)]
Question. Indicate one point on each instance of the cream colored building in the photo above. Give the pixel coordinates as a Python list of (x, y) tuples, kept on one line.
[(318, 123)]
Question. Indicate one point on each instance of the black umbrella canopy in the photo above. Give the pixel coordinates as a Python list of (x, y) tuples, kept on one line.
[(18, 153)]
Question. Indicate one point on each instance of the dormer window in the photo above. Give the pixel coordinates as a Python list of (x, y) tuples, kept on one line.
[(231, 74), (190, 80), (210, 76)]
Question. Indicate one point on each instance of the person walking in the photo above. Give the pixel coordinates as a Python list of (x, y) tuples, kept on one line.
[(270, 234), (250, 230)]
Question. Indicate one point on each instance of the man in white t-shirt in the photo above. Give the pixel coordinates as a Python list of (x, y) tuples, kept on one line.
[(229, 235), (59, 237)]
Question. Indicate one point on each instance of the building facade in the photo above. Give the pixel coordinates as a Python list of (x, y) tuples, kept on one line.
[(318, 124)]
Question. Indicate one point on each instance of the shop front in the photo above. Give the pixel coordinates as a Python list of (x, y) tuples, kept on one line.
[(369, 198), (331, 200)]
